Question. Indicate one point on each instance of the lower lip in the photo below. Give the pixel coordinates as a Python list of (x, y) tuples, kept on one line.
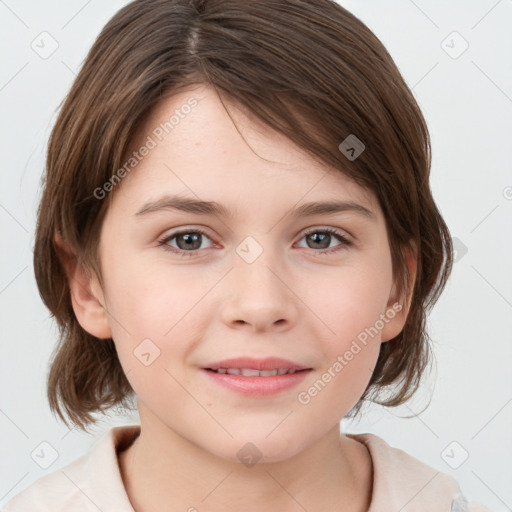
[(257, 386)]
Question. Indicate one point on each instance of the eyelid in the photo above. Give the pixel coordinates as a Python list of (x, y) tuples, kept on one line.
[(163, 240), (330, 229)]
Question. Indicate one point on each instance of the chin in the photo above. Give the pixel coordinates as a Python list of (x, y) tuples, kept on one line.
[(258, 445)]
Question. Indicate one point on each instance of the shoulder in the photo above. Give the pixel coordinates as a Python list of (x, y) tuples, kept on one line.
[(92, 482), (402, 482)]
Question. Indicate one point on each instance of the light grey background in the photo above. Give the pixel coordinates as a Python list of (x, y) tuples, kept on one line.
[(467, 101)]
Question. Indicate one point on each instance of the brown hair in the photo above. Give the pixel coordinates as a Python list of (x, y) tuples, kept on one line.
[(309, 69)]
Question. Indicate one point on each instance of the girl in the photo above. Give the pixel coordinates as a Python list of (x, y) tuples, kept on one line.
[(237, 229)]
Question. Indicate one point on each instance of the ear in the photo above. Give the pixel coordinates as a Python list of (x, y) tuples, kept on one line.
[(86, 293), (398, 307)]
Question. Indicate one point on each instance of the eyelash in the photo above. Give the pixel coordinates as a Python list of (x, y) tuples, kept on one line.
[(345, 242)]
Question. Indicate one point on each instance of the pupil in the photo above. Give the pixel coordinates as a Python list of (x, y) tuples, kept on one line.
[(323, 238), (189, 240)]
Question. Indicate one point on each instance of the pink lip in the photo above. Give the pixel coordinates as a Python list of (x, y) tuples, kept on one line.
[(257, 386)]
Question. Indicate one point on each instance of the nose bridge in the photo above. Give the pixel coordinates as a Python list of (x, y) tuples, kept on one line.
[(260, 295), (255, 264)]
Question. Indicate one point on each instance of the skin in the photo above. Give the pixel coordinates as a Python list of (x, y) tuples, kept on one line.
[(291, 302)]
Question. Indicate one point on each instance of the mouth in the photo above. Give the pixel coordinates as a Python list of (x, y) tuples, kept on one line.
[(256, 377), (251, 372)]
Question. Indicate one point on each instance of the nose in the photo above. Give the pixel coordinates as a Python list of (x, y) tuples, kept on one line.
[(259, 296)]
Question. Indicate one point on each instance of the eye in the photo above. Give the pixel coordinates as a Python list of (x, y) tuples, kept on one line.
[(188, 242), (321, 238)]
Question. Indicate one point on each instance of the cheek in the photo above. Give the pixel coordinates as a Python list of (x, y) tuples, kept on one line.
[(349, 359), (349, 336), (350, 304), (149, 314), (149, 299), (338, 384), (154, 317)]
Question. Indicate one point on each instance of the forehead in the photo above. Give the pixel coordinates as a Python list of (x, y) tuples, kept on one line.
[(197, 147)]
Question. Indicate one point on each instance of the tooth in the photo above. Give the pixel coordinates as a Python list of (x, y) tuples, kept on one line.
[(268, 373), (247, 372), (250, 372)]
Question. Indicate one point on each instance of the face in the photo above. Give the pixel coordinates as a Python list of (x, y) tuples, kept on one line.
[(188, 288)]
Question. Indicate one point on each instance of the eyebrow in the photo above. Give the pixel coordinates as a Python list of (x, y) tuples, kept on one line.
[(189, 205)]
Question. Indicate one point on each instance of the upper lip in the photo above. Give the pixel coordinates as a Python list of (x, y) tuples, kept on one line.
[(267, 363)]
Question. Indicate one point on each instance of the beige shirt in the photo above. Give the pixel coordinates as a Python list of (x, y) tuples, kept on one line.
[(93, 482)]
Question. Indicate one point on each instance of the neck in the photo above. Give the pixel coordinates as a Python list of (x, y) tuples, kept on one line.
[(163, 471)]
